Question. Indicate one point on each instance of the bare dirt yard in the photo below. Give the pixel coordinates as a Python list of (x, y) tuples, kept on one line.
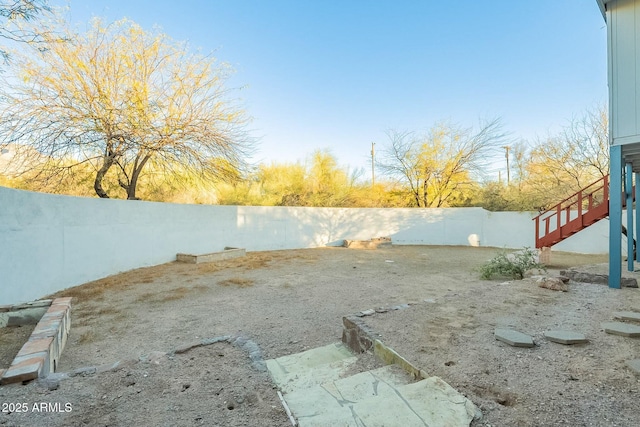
[(287, 301)]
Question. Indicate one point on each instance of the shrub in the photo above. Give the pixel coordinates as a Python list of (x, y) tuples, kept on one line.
[(513, 265)]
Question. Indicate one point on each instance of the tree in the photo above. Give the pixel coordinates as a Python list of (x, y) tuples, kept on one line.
[(319, 181), (15, 13), (121, 99), (561, 165), (436, 168)]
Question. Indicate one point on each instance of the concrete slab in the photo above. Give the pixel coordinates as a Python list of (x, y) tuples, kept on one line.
[(513, 338), (634, 365), (26, 316), (331, 403), (311, 367), (381, 397), (227, 253), (430, 402), (623, 329), (627, 315), (566, 337)]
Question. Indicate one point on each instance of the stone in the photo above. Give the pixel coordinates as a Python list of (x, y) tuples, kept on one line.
[(49, 383), (186, 347), (627, 315), (154, 357), (356, 335), (566, 337), (513, 338), (634, 365), (624, 329), (86, 371), (600, 279), (553, 283), (368, 312)]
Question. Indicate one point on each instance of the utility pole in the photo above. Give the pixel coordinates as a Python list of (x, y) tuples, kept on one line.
[(507, 148), (373, 164)]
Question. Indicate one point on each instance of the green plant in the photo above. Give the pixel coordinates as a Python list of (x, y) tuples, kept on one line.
[(513, 265)]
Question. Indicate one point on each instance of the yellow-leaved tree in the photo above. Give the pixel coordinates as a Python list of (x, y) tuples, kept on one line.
[(437, 169), (120, 100)]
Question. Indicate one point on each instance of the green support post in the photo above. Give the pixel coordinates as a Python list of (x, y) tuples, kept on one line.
[(637, 214), (615, 216), (628, 192)]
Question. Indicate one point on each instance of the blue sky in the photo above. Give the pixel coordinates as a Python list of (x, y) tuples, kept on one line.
[(336, 75)]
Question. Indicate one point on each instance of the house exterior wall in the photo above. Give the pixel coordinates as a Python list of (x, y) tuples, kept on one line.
[(623, 26)]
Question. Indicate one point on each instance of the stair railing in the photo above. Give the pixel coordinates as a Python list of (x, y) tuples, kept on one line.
[(589, 205)]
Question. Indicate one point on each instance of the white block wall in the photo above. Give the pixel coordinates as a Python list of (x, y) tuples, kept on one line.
[(52, 242)]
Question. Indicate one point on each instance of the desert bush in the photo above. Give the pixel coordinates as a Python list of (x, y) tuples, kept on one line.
[(512, 265)]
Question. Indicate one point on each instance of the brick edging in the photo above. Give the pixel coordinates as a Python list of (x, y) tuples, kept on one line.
[(39, 356)]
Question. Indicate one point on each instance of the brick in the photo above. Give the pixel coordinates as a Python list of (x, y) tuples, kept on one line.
[(65, 301), (36, 346), (25, 368), (47, 328), (58, 310)]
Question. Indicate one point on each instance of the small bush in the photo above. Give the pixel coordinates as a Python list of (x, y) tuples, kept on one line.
[(513, 265)]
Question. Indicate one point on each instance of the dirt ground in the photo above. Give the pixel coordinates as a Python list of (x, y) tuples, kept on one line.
[(289, 301)]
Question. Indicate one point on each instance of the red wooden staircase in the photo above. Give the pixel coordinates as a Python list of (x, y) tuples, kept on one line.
[(573, 214)]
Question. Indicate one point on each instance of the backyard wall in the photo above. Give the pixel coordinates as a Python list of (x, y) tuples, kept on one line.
[(52, 242)]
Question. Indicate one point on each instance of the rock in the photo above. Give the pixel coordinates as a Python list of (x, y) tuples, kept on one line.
[(50, 384), (155, 357), (600, 279), (553, 283)]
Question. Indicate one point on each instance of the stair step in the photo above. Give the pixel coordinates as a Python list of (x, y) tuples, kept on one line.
[(311, 367)]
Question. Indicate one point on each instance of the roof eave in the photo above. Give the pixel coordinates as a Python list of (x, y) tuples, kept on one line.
[(603, 8)]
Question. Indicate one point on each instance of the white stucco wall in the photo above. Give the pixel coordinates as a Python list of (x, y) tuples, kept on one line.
[(52, 242)]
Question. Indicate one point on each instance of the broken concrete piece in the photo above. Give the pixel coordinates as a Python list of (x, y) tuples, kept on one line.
[(634, 365), (374, 243), (513, 338), (624, 329), (566, 337), (26, 316), (553, 283), (627, 315)]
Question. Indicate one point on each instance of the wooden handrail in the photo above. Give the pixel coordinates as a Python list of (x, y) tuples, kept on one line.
[(581, 191), (565, 225)]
